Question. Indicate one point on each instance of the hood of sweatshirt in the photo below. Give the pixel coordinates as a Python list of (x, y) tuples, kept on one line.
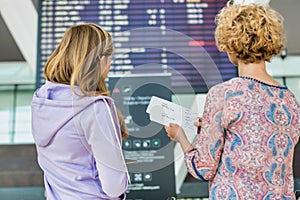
[(53, 105)]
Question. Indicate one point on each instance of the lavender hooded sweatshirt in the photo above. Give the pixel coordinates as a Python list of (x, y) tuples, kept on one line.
[(78, 142)]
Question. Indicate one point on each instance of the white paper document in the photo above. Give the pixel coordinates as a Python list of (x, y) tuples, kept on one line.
[(165, 112)]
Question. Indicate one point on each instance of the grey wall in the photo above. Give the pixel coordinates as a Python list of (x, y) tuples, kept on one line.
[(290, 11), (9, 51)]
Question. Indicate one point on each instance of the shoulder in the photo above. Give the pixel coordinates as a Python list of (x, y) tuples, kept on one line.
[(292, 98), (89, 100), (101, 98), (293, 104), (96, 104), (103, 103), (222, 88), (234, 88)]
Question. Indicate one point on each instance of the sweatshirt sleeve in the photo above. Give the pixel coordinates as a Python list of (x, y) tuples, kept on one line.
[(202, 161), (104, 138)]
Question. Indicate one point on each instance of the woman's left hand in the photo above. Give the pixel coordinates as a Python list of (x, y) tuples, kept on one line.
[(177, 134)]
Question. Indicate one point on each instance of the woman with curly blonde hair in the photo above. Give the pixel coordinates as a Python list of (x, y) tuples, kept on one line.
[(251, 123), (74, 121)]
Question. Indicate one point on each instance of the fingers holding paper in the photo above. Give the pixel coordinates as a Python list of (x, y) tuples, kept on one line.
[(177, 134), (174, 132)]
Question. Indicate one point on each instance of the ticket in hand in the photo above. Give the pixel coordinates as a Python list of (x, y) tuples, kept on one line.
[(165, 112)]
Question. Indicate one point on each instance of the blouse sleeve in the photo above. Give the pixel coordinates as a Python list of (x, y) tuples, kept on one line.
[(104, 138), (202, 162)]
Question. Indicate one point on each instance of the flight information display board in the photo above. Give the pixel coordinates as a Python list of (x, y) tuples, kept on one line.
[(157, 36)]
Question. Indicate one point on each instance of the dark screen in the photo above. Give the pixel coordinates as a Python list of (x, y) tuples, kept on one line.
[(158, 36)]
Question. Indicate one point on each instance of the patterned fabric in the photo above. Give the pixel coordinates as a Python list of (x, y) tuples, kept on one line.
[(247, 140)]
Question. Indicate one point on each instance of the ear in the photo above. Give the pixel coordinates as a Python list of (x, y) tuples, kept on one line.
[(103, 61), (104, 65)]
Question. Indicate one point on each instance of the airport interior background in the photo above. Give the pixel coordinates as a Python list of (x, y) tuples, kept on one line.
[(30, 29)]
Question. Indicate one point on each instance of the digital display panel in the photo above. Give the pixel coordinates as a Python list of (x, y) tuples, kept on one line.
[(157, 36)]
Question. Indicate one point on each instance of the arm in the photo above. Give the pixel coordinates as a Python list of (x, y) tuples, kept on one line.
[(103, 135), (203, 161), (177, 134), (203, 158)]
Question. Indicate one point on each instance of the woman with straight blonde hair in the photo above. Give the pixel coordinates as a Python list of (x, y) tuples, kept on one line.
[(74, 121)]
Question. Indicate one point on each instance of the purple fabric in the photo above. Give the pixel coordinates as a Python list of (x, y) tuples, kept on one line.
[(78, 143)]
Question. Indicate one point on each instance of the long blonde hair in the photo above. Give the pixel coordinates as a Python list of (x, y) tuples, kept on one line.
[(76, 60)]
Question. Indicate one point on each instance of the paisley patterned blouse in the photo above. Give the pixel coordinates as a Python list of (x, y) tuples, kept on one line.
[(247, 140)]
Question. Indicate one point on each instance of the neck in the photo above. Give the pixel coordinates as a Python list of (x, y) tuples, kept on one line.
[(256, 70)]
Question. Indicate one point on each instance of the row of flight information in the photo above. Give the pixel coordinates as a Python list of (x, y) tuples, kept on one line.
[(157, 36)]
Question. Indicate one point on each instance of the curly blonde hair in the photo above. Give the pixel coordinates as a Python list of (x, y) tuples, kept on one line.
[(252, 33)]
